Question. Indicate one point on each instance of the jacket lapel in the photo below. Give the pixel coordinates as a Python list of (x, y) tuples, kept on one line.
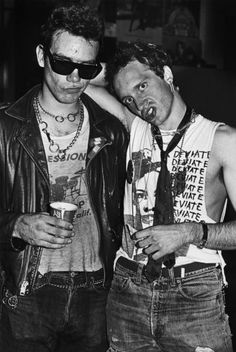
[(28, 133)]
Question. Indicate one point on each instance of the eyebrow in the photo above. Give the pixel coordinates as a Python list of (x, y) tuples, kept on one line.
[(69, 59)]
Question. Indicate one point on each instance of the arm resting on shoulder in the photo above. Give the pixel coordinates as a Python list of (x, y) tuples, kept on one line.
[(98, 92)]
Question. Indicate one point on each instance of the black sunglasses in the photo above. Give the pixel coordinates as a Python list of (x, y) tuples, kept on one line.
[(65, 68)]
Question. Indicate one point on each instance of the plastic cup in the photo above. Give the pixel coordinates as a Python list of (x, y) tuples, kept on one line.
[(63, 210)]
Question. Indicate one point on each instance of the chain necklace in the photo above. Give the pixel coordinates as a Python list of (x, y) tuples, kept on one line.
[(178, 130), (59, 118), (53, 146)]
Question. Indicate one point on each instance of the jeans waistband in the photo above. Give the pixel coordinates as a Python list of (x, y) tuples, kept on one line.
[(177, 271), (64, 279)]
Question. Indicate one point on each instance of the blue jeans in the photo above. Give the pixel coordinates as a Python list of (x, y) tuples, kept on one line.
[(65, 313), (180, 315)]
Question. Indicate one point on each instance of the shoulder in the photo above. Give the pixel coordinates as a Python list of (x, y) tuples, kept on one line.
[(109, 103), (225, 133), (224, 143)]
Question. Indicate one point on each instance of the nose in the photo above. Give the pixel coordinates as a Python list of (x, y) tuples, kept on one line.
[(136, 106), (139, 103), (74, 76), (132, 104)]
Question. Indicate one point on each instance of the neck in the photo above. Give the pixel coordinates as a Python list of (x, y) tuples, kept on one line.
[(59, 121), (177, 111), (52, 105)]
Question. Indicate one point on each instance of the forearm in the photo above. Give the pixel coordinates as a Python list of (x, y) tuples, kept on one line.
[(160, 240), (111, 104), (221, 236)]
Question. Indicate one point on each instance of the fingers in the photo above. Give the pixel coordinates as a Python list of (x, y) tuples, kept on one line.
[(44, 230), (50, 241), (139, 235), (59, 231), (148, 246), (150, 243), (56, 222)]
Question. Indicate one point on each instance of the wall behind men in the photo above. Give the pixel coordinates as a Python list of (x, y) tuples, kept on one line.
[(211, 92)]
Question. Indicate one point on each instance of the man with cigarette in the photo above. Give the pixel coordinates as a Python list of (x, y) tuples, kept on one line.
[(58, 145)]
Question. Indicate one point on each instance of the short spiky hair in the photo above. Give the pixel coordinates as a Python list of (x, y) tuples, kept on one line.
[(149, 54), (74, 18)]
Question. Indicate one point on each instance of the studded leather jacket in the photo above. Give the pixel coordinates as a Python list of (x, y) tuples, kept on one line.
[(24, 186)]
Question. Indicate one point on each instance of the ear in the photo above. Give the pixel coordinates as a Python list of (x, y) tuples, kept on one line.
[(168, 75), (40, 55)]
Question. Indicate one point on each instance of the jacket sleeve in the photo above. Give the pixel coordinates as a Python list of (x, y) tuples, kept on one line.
[(7, 240), (8, 217)]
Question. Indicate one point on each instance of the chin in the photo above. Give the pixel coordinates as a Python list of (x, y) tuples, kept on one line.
[(151, 120), (69, 99)]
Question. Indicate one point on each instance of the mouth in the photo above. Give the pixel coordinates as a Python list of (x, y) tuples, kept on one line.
[(74, 89), (149, 114)]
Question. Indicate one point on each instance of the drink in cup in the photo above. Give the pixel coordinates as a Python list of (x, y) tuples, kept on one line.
[(63, 210)]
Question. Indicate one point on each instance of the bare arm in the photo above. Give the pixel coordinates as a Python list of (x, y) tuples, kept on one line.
[(98, 92), (111, 104)]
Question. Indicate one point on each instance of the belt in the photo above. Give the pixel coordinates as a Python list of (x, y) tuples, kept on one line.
[(64, 279), (178, 271)]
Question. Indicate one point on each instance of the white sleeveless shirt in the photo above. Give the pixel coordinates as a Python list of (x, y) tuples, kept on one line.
[(187, 164)]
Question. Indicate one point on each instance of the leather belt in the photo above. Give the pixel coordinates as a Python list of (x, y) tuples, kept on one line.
[(64, 279), (179, 271)]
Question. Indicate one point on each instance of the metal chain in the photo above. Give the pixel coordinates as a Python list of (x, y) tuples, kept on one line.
[(59, 118), (53, 146)]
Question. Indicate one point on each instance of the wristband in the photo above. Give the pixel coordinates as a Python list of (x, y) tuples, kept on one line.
[(205, 235)]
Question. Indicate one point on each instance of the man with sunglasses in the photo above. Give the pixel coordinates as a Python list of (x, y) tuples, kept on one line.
[(58, 145)]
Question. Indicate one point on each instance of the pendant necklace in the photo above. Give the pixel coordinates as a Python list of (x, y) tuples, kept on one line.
[(53, 146)]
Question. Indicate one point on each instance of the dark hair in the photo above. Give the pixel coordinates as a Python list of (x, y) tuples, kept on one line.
[(74, 18), (149, 54)]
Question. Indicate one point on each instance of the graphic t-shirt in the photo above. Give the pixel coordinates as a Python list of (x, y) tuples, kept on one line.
[(68, 184), (187, 164)]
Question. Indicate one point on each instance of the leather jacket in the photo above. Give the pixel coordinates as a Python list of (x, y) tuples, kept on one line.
[(24, 183)]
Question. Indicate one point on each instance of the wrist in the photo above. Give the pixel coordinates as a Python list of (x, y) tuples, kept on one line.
[(204, 235), (199, 234), (17, 243)]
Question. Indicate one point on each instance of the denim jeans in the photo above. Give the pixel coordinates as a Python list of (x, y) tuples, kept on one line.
[(63, 315), (179, 315)]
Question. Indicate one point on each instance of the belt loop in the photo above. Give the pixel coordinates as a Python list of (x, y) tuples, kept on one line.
[(172, 276), (139, 273)]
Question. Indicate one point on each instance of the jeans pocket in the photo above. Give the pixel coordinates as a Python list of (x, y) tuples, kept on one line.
[(120, 283), (200, 288)]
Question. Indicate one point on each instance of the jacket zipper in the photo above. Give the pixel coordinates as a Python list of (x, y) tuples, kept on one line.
[(25, 283)]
